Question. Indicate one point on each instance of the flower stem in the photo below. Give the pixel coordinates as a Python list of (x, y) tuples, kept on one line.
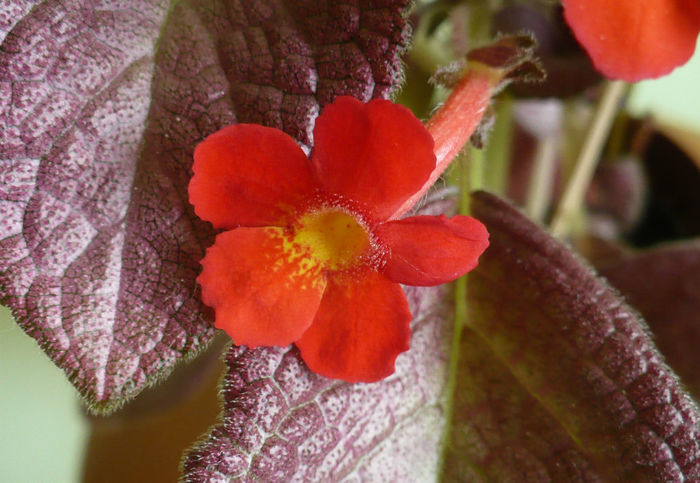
[(541, 181), (588, 158), (486, 70), (476, 179), (470, 178), (499, 146), (456, 120)]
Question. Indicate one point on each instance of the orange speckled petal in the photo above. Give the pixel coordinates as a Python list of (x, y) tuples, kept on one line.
[(264, 288)]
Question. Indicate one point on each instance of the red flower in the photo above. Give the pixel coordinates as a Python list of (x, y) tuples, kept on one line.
[(635, 39), (310, 255)]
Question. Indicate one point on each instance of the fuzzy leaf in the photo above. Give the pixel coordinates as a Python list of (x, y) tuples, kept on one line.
[(102, 105), (282, 422), (663, 283), (559, 378)]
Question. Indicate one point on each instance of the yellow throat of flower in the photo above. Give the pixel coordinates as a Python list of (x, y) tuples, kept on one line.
[(334, 238)]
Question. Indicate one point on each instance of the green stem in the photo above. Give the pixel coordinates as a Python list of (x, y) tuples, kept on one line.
[(499, 146), (475, 180), (541, 181), (470, 178), (588, 158)]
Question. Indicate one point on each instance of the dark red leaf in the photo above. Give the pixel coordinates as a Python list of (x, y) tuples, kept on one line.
[(101, 108), (664, 285), (560, 380)]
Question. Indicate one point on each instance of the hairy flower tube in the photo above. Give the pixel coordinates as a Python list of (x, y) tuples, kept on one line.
[(635, 40), (311, 254)]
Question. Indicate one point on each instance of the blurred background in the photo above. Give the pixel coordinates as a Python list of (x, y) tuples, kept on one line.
[(41, 422)]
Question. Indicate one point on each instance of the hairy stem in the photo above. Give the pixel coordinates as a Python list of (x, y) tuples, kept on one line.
[(454, 123)]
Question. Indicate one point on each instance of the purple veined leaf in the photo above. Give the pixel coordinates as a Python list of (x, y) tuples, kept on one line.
[(663, 283), (560, 379), (281, 422), (102, 105)]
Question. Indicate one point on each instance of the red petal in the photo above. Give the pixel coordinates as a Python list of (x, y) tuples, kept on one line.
[(360, 328), (248, 175), (376, 153), (635, 39), (430, 250), (263, 292)]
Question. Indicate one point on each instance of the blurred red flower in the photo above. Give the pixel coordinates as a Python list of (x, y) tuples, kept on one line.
[(310, 255), (635, 39)]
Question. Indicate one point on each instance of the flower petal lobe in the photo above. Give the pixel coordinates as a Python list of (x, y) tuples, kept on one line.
[(264, 288), (248, 175), (634, 40), (361, 327), (377, 153), (430, 250)]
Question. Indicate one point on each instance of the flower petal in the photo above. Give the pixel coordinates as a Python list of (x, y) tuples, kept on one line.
[(263, 287), (430, 250), (376, 153), (634, 40), (360, 328), (248, 175)]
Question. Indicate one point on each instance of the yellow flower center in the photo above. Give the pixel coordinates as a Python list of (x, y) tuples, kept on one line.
[(334, 239)]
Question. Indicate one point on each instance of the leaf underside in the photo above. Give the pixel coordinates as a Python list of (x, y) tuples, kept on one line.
[(559, 379), (102, 105)]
